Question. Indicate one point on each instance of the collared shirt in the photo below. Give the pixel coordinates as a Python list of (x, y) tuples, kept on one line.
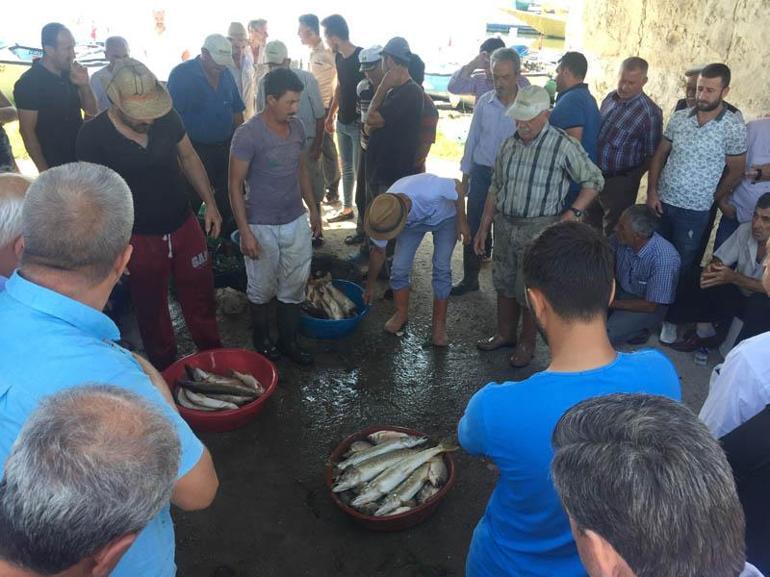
[(740, 249), (99, 82), (311, 107), (51, 342), (745, 196), (652, 273), (477, 84), (57, 102), (532, 180), (576, 107), (697, 159), (3, 280), (245, 81), (739, 387), (630, 132), (207, 112), (490, 126), (323, 66)]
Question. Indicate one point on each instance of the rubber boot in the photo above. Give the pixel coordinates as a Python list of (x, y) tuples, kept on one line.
[(399, 318), (260, 332), (288, 323), (471, 266), (439, 322)]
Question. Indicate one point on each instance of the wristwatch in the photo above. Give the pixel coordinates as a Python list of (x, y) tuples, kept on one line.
[(577, 212)]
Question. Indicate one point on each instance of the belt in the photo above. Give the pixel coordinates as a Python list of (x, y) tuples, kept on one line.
[(616, 173)]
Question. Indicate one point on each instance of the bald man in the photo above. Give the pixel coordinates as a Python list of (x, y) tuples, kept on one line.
[(115, 50), (13, 187)]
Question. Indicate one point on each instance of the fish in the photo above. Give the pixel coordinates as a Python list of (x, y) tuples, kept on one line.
[(437, 473), (250, 381), (391, 477), (357, 446), (427, 492), (399, 511), (236, 399), (347, 306), (182, 400), (201, 381), (404, 491), (204, 401), (382, 448), (385, 435), (369, 469)]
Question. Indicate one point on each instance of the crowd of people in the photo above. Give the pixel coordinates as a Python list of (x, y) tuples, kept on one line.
[(602, 469)]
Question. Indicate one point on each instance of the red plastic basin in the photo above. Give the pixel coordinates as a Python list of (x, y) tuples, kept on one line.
[(221, 361), (393, 522)]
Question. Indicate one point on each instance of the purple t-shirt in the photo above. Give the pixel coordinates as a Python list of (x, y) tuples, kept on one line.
[(273, 178)]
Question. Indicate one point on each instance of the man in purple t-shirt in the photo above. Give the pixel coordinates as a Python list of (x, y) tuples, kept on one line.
[(266, 155)]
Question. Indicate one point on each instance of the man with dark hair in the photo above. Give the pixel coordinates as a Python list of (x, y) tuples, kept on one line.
[(275, 238), (476, 77), (647, 490), (343, 106), (49, 97), (646, 276), (322, 65), (528, 191), (568, 272), (207, 99), (630, 132)]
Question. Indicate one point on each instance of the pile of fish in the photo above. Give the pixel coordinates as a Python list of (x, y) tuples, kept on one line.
[(386, 475), (325, 301), (204, 391)]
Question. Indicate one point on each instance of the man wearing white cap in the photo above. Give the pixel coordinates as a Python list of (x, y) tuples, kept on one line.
[(528, 191), (207, 99), (242, 67)]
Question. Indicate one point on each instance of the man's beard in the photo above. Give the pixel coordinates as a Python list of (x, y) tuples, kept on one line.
[(705, 107)]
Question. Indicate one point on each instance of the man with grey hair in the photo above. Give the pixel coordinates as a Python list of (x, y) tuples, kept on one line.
[(76, 226), (490, 126), (648, 490), (77, 510), (13, 187), (115, 50), (646, 276)]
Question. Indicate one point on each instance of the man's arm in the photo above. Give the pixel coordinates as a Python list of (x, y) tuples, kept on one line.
[(237, 171), (376, 260), (463, 230), (307, 195), (373, 117), (736, 165), (329, 124), (196, 173), (27, 124), (237, 119), (8, 112), (581, 170), (196, 489), (461, 81), (656, 168), (575, 132), (79, 77), (490, 206), (634, 305), (719, 274)]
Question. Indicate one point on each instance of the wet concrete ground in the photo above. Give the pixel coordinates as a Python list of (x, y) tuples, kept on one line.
[(273, 515)]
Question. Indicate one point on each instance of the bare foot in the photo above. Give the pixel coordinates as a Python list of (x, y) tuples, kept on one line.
[(439, 337), (395, 323)]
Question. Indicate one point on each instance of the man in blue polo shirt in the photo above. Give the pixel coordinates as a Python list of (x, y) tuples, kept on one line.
[(76, 225), (207, 98), (568, 272)]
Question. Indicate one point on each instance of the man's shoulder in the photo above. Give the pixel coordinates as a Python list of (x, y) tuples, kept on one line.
[(650, 106), (182, 70), (663, 247), (752, 353)]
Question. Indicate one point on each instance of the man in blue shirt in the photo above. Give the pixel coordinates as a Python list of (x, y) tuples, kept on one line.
[(76, 225), (576, 111), (568, 272), (207, 98)]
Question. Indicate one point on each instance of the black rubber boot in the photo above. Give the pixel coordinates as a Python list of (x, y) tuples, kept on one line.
[(471, 266), (288, 323), (260, 332)]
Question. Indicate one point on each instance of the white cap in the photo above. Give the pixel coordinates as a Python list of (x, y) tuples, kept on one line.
[(368, 57), (276, 52), (220, 49), (530, 101)]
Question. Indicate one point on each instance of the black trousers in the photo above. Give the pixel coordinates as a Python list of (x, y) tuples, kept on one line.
[(215, 159)]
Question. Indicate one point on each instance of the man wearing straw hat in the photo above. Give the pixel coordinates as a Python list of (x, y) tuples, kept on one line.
[(143, 139), (412, 207), (528, 192)]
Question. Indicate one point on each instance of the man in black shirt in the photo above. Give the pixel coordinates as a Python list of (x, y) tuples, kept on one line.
[(143, 139), (49, 97)]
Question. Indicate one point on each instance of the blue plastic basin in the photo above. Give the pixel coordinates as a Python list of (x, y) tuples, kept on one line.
[(331, 329)]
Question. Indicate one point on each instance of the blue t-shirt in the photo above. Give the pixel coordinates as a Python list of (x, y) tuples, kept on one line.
[(524, 531), (50, 342)]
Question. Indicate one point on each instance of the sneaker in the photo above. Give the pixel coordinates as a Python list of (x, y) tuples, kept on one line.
[(667, 333)]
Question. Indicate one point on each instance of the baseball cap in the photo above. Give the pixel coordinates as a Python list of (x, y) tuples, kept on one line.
[(136, 91), (237, 31), (398, 47), (370, 57), (219, 48), (276, 52), (530, 101), (386, 217)]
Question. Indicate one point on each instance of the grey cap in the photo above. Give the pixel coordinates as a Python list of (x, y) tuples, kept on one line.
[(530, 101), (398, 47)]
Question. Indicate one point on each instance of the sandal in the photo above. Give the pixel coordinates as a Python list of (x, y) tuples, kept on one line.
[(522, 356)]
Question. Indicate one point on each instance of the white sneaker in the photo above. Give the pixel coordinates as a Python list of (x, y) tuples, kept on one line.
[(667, 333)]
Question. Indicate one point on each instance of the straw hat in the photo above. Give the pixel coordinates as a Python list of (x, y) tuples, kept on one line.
[(136, 91), (386, 216)]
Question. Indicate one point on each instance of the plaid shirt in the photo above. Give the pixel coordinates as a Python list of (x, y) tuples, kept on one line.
[(532, 180), (652, 273), (630, 132)]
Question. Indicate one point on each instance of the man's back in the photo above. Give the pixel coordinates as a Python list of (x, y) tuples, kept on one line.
[(524, 531), (576, 107)]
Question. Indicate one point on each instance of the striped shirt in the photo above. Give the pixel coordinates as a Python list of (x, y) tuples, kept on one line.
[(652, 273), (532, 179), (630, 132)]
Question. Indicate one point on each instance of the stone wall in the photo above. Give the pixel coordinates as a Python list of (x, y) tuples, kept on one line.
[(673, 36)]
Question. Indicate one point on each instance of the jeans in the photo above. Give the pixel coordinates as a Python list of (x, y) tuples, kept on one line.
[(727, 226), (444, 238), (349, 142), (481, 178), (622, 326), (684, 229), (215, 158)]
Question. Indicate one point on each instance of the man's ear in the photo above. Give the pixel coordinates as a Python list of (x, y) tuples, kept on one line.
[(725, 91), (612, 292), (537, 302), (606, 560), (122, 261), (18, 247), (104, 561)]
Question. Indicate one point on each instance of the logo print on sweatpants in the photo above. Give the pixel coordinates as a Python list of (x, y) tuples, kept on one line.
[(200, 259)]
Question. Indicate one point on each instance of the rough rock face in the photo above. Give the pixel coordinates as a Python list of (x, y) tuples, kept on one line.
[(673, 36)]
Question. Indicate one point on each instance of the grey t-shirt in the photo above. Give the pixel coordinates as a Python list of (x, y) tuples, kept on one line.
[(273, 177)]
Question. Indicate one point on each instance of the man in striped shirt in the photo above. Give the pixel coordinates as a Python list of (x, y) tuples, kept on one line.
[(631, 129), (529, 186)]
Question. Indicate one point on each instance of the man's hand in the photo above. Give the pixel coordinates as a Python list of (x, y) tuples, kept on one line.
[(369, 293), (389, 81), (567, 216), (479, 242), (315, 223), (728, 210), (78, 75), (155, 378), (213, 220), (249, 245), (717, 274), (653, 202), (481, 61), (463, 231)]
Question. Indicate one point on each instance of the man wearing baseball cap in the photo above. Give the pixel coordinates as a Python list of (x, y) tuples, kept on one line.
[(529, 186), (207, 99), (142, 138)]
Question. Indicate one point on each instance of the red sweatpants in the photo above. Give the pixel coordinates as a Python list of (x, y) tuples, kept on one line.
[(184, 254)]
